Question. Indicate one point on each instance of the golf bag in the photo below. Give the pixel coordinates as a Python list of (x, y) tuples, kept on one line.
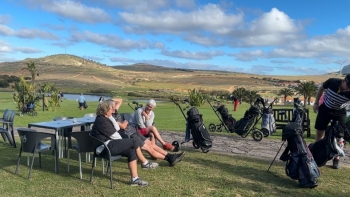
[(243, 125), (326, 148), (201, 138), (300, 164), (268, 123), (227, 118)]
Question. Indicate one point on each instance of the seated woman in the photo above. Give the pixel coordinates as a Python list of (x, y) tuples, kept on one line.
[(143, 120), (151, 148), (104, 130)]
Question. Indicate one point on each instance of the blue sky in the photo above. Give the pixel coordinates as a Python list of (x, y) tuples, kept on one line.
[(272, 37)]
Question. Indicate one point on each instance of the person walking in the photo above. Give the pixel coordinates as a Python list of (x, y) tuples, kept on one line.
[(235, 102), (336, 95), (81, 101)]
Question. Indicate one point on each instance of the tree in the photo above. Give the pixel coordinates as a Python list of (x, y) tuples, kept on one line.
[(285, 92), (250, 96), (32, 69), (308, 90), (23, 93), (239, 93), (196, 98)]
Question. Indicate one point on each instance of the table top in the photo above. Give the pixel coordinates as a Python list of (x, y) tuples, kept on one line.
[(60, 124), (89, 120)]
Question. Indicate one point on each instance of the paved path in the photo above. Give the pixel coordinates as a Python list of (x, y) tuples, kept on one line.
[(236, 145)]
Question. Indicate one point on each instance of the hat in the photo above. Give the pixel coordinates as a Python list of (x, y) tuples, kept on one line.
[(347, 79)]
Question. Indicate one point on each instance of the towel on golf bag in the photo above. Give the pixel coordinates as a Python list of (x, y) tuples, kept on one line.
[(243, 125), (199, 132), (326, 148), (300, 164), (227, 118)]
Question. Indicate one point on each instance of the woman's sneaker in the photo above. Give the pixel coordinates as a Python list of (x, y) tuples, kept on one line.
[(150, 165), (139, 182), (168, 146)]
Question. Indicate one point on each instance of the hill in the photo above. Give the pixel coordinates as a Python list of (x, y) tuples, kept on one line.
[(73, 74)]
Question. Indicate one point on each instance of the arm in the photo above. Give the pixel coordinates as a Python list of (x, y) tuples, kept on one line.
[(150, 119), (319, 94), (123, 124), (118, 102), (139, 118)]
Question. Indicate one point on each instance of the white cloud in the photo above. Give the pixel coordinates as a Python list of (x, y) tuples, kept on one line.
[(110, 40), (27, 33), (209, 18), (5, 18), (27, 50), (72, 10), (193, 55)]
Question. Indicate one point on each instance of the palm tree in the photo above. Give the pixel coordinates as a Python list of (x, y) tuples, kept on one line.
[(308, 90), (32, 69), (285, 92), (239, 93), (251, 96)]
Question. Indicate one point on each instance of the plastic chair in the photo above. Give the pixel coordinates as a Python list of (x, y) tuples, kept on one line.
[(84, 145), (96, 143), (7, 130), (5, 116), (31, 143), (65, 132)]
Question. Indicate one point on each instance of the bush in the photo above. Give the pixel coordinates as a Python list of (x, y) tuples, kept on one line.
[(4, 84)]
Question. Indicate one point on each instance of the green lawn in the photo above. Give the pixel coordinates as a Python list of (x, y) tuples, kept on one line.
[(199, 174)]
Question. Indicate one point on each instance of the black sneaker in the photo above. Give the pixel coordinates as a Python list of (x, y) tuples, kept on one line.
[(176, 158), (335, 164)]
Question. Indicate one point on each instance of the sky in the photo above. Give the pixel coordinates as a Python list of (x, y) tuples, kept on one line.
[(270, 37)]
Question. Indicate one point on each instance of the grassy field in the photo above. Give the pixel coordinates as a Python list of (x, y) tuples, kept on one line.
[(199, 174)]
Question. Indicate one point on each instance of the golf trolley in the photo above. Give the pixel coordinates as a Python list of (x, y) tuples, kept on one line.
[(195, 127), (217, 109), (136, 105)]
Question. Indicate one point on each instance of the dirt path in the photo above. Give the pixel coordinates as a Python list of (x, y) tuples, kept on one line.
[(235, 145)]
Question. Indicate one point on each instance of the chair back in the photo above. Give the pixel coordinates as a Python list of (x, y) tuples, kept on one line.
[(128, 116), (84, 141), (28, 138), (62, 118), (12, 116), (96, 143), (90, 115), (6, 115)]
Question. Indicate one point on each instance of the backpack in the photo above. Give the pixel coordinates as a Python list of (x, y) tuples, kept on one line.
[(227, 118), (201, 138), (300, 164)]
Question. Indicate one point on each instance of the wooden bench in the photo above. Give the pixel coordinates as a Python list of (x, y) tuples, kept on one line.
[(282, 119)]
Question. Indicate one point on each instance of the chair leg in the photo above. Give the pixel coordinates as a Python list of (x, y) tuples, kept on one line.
[(110, 171), (92, 168), (103, 166), (18, 160), (39, 159), (81, 174), (68, 161), (31, 166)]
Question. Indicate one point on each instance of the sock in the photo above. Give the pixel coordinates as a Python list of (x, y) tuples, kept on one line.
[(167, 157), (134, 179), (146, 162)]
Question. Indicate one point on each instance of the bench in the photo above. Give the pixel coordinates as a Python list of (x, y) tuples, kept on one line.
[(283, 116)]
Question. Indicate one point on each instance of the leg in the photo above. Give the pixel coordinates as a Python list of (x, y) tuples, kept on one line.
[(133, 169), (154, 131), (319, 134), (150, 150)]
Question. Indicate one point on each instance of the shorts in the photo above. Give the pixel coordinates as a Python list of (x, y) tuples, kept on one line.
[(143, 131), (139, 138), (81, 104), (325, 115)]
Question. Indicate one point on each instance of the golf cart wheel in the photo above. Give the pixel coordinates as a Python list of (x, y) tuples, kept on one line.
[(204, 150), (212, 127), (219, 129), (265, 132), (195, 145), (257, 135), (177, 146), (35, 113)]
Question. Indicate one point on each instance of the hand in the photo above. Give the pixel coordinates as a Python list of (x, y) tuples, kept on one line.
[(145, 115), (315, 107)]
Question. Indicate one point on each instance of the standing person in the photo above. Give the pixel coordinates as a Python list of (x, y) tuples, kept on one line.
[(81, 101), (337, 94), (101, 99), (143, 120), (235, 102), (61, 96)]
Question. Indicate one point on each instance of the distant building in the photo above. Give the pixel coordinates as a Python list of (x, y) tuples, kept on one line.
[(345, 70)]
